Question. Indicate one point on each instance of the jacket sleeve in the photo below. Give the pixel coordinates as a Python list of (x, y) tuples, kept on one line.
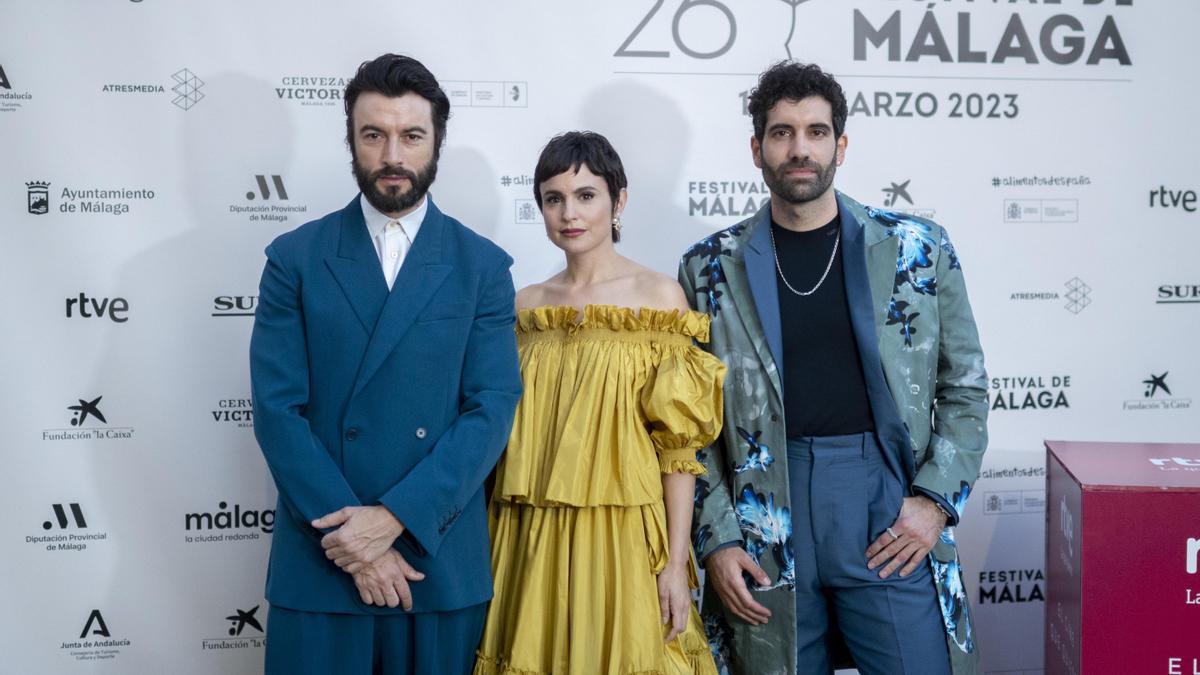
[(960, 410), (305, 473), (715, 524), (431, 497)]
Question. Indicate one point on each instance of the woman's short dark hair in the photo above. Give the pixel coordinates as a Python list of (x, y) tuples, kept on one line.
[(794, 82), (394, 75), (569, 151)]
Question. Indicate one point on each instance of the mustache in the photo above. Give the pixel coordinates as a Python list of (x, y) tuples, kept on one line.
[(393, 171), (801, 164)]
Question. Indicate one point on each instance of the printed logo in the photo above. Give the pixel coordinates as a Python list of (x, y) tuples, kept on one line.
[(1075, 298), (1041, 210), (1078, 295), (1033, 392), (10, 100), (1157, 395), (61, 515), (1061, 39), (1176, 463), (897, 192), (187, 86), (95, 623), (1011, 586), (241, 523), (86, 418), (184, 89), (241, 624), (487, 94), (243, 618), (88, 648), (64, 526), (115, 309), (278, 213), (1012, 502), (265, 191), (86, 408), (1178, 294), (314, 91), (527, 212), (39, 197), (234, 305), (1193, 555), (234, 411), (742, 198), (113, 202), (1166, 198)]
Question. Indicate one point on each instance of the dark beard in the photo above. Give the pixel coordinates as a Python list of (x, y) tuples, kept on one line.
[(799, 193), (395, 201)]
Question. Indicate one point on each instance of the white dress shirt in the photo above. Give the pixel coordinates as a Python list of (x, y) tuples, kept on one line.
[(392, 238)]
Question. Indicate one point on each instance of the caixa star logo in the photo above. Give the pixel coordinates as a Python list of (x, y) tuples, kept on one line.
[(1157, 395), (87, 422)]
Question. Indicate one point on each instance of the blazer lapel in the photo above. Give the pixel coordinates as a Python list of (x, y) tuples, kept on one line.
[(869, 264), (356, 268), (759, 259), (420, 276)]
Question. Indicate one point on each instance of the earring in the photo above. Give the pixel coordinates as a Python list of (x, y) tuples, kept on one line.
[(617, 224)]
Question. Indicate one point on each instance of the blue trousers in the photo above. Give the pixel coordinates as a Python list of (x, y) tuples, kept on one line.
[(434, 643), (843, 497)]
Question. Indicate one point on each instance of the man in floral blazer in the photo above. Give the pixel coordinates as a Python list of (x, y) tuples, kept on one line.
[(855, 322)]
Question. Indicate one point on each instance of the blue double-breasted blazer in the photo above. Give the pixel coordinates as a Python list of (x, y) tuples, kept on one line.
[(401, 398)]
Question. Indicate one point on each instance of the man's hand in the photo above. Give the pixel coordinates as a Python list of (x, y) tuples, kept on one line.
[(674, 597), (385, 582), (363, 534), (726, 567), (915, 531)]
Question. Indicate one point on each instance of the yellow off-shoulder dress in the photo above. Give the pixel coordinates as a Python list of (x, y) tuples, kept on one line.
[(577, 519)]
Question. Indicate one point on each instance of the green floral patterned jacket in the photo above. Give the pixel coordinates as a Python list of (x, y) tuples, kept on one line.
[(911, 310)]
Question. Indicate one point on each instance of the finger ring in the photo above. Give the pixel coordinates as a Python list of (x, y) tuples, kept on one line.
[(893, 533)]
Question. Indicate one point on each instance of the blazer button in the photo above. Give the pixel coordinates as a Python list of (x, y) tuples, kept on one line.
[(351, 434), (774, 417), (420, 432)]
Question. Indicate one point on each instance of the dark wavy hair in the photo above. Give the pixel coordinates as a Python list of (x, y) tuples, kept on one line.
[(795, 81), (394, 75), (569, 151)]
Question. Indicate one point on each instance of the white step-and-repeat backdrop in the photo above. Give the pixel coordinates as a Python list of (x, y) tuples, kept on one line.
[(151, 149)]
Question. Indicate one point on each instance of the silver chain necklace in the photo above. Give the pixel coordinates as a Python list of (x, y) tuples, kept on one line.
[(828, 266)]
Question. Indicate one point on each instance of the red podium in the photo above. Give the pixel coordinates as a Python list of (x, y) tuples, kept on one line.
[(1122, 558)]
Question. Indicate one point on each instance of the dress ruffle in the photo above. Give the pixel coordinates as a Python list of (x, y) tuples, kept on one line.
[(610, 403), (647, 320)]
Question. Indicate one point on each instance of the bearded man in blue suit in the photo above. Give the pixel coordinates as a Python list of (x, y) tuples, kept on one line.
[(384, 371)]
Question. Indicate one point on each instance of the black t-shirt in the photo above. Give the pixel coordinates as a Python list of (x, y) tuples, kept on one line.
[(825, 393)]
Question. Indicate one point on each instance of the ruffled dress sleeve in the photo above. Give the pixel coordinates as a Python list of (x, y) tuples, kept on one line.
[(682, 400)]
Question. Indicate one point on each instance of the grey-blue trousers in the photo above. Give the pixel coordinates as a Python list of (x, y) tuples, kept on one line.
[(843, 498)]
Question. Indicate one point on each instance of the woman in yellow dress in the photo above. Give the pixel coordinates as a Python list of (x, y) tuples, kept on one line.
[(592, 506)]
